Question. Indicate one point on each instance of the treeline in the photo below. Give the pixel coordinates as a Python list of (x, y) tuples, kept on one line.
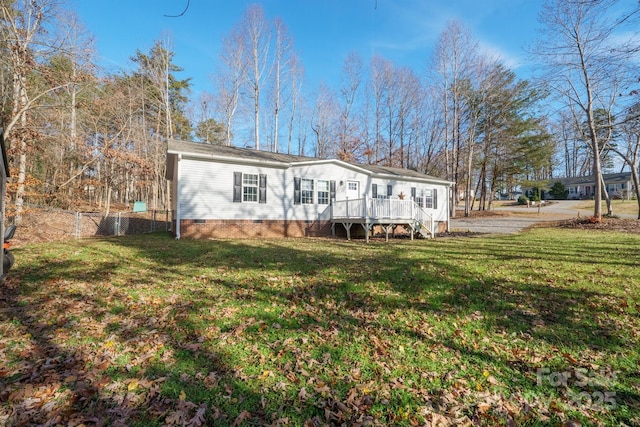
[(77, 135)]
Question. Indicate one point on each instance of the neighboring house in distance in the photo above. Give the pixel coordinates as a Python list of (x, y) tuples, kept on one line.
[(618, 185), (227, 192)]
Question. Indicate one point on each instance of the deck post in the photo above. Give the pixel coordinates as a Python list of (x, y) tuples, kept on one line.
[(347, 226), (333, 202), (365, 225), (433, 233), (365, 206)]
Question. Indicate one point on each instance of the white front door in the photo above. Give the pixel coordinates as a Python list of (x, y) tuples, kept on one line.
[(353, 190)]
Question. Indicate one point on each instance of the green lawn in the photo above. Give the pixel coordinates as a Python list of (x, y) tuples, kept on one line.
[(627, 207), (531, 329)]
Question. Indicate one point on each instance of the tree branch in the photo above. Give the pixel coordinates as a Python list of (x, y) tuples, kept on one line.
[(183, 12)]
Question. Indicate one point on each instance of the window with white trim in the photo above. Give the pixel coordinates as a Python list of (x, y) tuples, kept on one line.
[(323, 192), (428, 199), (249, 187), (307, 191)]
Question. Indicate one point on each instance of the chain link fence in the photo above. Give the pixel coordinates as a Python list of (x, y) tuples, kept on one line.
[(90, 224), (41, 223)]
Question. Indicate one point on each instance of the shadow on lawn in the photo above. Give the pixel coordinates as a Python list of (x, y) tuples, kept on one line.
[(59, 379), (151, 334)]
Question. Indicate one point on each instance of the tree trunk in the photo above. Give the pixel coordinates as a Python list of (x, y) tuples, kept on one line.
[(636, 183), (467, 197), (606, 196), (22, 153)]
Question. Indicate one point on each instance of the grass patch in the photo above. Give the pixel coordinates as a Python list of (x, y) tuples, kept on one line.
[(535, 328), (626, 207)]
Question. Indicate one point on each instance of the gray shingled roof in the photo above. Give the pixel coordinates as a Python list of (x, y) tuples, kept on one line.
[(176, 146), (609, 179)]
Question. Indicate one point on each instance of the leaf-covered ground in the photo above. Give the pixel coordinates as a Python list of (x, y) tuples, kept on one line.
[(529, 329)]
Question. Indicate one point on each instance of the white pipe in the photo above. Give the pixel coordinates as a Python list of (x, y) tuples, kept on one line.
[(177, 201)]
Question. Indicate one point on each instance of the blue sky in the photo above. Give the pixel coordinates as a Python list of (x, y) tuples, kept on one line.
[(324, 31)]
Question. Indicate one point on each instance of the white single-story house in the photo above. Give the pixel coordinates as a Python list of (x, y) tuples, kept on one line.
[(227, 192)]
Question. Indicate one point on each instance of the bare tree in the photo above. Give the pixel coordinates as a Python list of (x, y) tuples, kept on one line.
[(295, 91), (282, 64), (323, 121), (351, 81), (229, 79), (452, 65), (583, 59), (429, 129), (408, 89), (628, 147), (256, 30), (380, 77), (79, 72), (23, 28)]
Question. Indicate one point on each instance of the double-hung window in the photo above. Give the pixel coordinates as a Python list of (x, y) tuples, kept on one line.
[(323, 192), (431, 199), (249, 187), (377, 191), (428, 199), (304, 189), (307, 191)]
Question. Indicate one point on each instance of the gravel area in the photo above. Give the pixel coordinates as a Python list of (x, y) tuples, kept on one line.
[(501, 225), (513, 219)]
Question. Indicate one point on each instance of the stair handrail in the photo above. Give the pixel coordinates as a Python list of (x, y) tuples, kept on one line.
[(424, 218)]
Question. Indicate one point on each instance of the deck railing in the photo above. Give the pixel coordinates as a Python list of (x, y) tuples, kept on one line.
[(381, 211)]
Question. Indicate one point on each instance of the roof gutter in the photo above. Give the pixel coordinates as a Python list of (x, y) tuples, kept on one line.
[(227, 159), (371, 173), (287, 165)]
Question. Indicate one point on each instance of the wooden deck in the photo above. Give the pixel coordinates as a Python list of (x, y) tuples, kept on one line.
[(386, 213)]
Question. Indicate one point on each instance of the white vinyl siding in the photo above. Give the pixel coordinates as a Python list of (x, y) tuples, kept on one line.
[(204, 190)]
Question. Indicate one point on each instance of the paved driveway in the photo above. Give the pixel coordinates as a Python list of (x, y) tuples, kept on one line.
[(525, 217)]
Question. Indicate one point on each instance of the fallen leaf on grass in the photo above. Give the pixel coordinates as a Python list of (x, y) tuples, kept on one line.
[(244, 415)]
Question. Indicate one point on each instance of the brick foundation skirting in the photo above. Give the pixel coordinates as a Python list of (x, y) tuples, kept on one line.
[(238, 229), (252, 229)]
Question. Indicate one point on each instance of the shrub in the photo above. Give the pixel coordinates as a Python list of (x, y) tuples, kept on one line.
[(536, 193), (558, 190), (522, 200)]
